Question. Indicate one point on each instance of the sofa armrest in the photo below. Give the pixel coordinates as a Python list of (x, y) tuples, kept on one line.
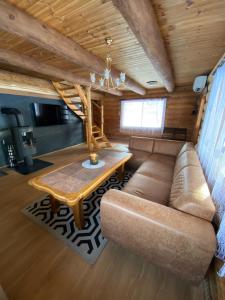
[(169, 238)]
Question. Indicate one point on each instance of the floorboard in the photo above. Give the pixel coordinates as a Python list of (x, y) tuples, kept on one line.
[(34, 265)]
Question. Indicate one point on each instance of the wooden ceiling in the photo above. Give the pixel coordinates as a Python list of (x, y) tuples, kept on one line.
[(193, 31)]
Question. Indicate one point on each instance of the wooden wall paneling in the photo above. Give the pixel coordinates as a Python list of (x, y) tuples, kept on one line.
[(179, 112), (199, 119)]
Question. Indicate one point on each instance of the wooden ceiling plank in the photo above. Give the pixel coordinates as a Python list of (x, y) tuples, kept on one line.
[(141, 18), (16, 21), (12, 58)]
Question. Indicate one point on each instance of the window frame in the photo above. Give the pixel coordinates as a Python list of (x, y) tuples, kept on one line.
[(142, 100)]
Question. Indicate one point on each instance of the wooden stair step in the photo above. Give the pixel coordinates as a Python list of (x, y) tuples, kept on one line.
[(77, 101), (70, 96), (79, 114), (83, 117), (99, 137), (74, 102), (73, 106), (62, 84), (66, 88), (77, 110), (77, 105)]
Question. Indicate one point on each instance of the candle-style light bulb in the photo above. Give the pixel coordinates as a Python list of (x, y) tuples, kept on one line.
[(92, 77), (117, 81), (107, 74), (101, 82), (122, 77)]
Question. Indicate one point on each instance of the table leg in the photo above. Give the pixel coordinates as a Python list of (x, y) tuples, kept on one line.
[(54, 204), (121, 171), (78, 214)]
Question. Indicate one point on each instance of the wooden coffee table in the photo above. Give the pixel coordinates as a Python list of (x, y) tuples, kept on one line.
[(73, 183)]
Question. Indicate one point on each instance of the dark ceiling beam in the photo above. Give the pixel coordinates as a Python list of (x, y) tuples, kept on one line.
[(11, 58), (141, 18), (15, 21)]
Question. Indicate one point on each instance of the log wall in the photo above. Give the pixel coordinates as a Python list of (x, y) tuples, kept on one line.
[(179, 111)]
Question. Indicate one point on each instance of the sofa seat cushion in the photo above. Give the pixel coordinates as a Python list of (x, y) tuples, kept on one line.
[(148, 188), (187, 158), (137, 159), (166, 159), (190, 193), (158, 167)]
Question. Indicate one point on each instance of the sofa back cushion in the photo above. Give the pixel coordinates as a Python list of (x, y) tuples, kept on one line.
[(190, 193), (187, 158), (167, 147), (187, 147), (141, 143)]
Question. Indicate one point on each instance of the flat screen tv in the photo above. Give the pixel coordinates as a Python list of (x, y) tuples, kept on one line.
[(48, 114)]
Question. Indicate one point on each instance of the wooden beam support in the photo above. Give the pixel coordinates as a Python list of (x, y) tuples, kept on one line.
[(102, 117), (89, 116), (12, 58), (18, 84), (16, 21), (212, 73), (199, 119), (141, 18)]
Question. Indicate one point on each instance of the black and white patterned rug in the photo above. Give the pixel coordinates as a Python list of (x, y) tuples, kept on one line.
[(88, 242)]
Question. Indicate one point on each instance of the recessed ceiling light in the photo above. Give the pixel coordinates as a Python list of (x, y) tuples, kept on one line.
[(151, 82)]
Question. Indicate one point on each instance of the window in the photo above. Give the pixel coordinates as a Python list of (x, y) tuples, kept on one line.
[(143, 116), (212, 155)]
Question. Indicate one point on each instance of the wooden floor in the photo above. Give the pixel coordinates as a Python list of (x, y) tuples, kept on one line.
[(34, 265)]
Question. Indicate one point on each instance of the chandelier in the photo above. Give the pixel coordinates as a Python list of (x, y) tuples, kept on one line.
[(106, 80)]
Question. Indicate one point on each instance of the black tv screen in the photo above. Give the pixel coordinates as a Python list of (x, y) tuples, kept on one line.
[(48, 114)]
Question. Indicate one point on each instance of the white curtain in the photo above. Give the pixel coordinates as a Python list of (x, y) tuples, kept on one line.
[(143, 117), (211, 150)]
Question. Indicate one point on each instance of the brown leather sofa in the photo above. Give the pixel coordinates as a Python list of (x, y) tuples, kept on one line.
[(164, 213)]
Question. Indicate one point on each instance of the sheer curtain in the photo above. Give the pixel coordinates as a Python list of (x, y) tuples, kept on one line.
[(211, 150), (143, 116)]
